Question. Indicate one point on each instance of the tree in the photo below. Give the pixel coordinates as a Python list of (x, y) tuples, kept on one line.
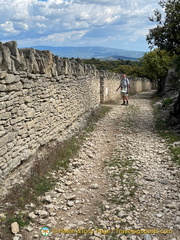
[(167, 36), (156, 65), (167, 33)]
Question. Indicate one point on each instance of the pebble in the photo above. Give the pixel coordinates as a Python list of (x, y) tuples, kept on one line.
[(70, 203), (17, 237), (70, 197), (42, 213), (94, 186), (147, 237), (14, 227)]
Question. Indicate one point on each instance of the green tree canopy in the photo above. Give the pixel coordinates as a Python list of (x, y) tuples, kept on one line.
[(156, 65), (167, 33)]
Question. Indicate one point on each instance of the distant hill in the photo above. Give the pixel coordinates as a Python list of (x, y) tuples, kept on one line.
[(93, 52), (114, 58)]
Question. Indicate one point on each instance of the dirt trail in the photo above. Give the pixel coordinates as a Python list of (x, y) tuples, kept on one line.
[(122, 179)]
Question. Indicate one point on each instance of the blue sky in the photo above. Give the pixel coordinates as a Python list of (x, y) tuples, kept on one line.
[(121, 24)]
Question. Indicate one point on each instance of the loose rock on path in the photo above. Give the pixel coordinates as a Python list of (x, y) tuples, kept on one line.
[(122, 185)]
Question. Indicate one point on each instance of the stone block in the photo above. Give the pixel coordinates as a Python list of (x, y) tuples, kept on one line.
[(30, 124), (5, 115), (2, 105), (10, 78), (3, 149), (9, 103), (3, 74), (7, 138), (30, 113), (14, 87), (28, 99), (2, 133), (4, 166), (25, 154), (2, 87), (14, 163)]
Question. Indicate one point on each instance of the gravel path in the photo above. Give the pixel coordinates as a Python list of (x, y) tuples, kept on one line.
[(122, 185)]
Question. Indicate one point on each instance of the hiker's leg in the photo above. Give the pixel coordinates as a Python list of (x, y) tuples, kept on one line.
[(124, 98)]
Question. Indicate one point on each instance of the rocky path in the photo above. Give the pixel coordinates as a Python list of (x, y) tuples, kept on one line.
[(122, 185)]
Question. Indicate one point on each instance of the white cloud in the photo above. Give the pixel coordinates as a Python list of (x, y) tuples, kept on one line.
[(73, 22), (8, 29)]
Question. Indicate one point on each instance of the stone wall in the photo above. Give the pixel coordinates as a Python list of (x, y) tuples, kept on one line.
[(140, 85), (44, 98), (35, 109), (110, 82)]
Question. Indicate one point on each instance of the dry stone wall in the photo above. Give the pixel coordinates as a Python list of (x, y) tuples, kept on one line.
[(44, 98), (111, 81)]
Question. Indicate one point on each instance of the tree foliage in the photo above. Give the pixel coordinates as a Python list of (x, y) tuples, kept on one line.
[(166, 36), (131, 68), (167, 33), (155, 65)]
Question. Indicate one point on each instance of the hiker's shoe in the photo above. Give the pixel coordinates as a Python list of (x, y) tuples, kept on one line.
[(127, 104), (123, 104)]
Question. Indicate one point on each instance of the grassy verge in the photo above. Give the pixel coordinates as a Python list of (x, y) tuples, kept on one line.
[(166, 132), (41, 179)]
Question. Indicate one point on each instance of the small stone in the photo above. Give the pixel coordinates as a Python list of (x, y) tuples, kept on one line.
[(133, 238), (14, 227), (178, 219), (150, 179), (80, 223), (3, 74), (159, 215), (2, 215), (71, 197), (36, 236), (94, 186), (17, 237), (147, 237), (47, 199), (176, 144), (42, 213), (68, 183), (177, 226), (71, 226), (123, 238), (129, 218), (171, 205), (29, 228), (141, 199), (163, 181), (32, 215), (59, 190), (70, 203), (126, 193), (122, 214), (157, 196)]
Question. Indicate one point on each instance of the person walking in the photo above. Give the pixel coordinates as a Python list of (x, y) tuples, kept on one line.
[(124, 89)]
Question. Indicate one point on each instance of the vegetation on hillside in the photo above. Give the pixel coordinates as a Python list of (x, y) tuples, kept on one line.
[(153, 65), (129, 67), (166, 36)]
